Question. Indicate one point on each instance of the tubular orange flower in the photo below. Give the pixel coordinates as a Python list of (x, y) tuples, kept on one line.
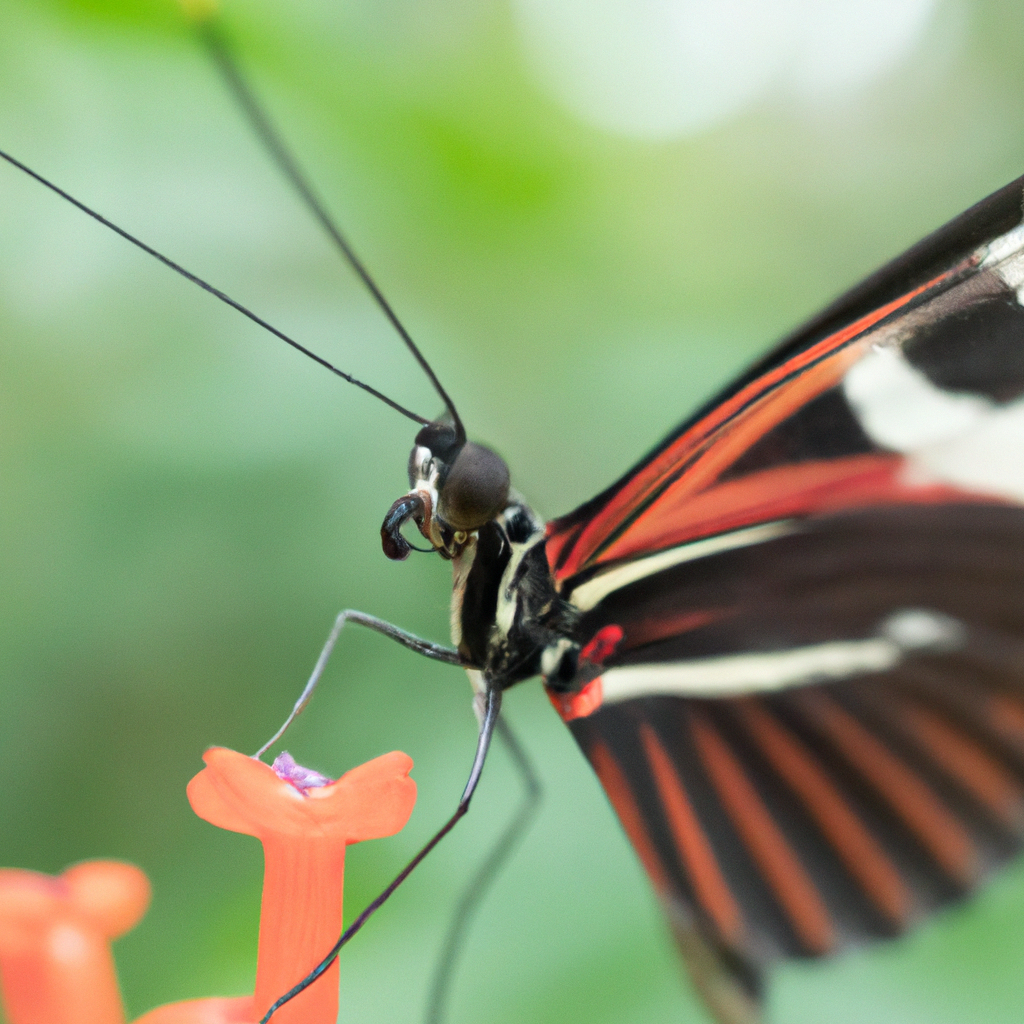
[(55, 961), (304, 822)]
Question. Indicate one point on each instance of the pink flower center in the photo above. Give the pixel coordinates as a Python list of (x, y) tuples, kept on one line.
[(286, 767)]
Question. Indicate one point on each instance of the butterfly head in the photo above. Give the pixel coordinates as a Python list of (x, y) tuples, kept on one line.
[(456, 486)]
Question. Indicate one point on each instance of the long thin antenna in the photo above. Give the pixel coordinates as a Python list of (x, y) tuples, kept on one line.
[(216, 292), (492, 708), (273, 142)]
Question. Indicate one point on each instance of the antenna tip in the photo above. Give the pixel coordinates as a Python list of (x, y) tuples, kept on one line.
[(199, 11)]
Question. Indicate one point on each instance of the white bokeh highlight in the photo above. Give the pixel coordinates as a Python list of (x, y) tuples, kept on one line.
[(668, 68)]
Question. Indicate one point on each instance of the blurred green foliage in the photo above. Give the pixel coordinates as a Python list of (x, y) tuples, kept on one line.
[(185, 504)]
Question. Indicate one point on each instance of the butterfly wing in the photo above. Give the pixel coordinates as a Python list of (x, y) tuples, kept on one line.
[(947, 315), (802, 622)]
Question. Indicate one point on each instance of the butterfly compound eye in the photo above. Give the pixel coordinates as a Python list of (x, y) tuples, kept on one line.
[(476, 488)]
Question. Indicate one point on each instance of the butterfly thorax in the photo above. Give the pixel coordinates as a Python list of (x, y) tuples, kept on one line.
[(506, 615), (505, 611)]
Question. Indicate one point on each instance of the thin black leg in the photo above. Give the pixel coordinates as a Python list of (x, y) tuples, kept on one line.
[(414, 643), (492, 708), (485, 876)]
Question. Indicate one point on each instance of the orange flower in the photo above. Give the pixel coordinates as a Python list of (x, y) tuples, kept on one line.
[(304, 826), (55, 961)]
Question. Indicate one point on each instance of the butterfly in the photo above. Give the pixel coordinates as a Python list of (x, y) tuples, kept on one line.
[(797, 664), (786, 639), (790, 640)]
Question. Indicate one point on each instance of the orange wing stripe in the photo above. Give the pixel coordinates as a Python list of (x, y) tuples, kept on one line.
[(558, 541), (649, 630), (978, 772), (700, 447), (1006, 715), (819, 487), (720, 437), (929, 819), (863, 857), (621, 796), (764, 839), (695, 852)]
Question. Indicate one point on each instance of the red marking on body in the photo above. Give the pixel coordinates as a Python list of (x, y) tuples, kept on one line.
[(603, 645), (578, 705)]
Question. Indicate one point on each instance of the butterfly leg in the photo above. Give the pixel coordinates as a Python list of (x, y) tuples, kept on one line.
[(414, 643), (485, 874), (492, 708)]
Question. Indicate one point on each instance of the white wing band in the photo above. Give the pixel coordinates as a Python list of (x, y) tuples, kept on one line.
[(730, 675)]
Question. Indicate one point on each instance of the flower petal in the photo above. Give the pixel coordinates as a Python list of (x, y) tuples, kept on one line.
[(241, 794), (113, 895)]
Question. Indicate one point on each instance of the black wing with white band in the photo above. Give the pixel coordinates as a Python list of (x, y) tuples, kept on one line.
[(800, 673)]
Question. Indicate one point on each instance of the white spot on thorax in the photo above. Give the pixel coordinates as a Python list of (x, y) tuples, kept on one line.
[(508, 597), (552, 656)]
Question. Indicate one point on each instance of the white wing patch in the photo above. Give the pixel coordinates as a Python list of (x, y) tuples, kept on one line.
[(588, 594), (731, 675), (901, 409), (988, 459), (967, 441), (1006, 256)]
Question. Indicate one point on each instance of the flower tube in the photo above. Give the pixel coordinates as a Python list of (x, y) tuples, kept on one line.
[(56, 966), (304, 822)]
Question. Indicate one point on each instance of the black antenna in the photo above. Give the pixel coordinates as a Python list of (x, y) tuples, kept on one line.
[(272, 141), (216, 292)]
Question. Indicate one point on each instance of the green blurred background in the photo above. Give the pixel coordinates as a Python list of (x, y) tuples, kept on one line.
[(185, 503)]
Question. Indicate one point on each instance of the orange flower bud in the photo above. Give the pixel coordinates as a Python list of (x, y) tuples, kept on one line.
[(55, 961)]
